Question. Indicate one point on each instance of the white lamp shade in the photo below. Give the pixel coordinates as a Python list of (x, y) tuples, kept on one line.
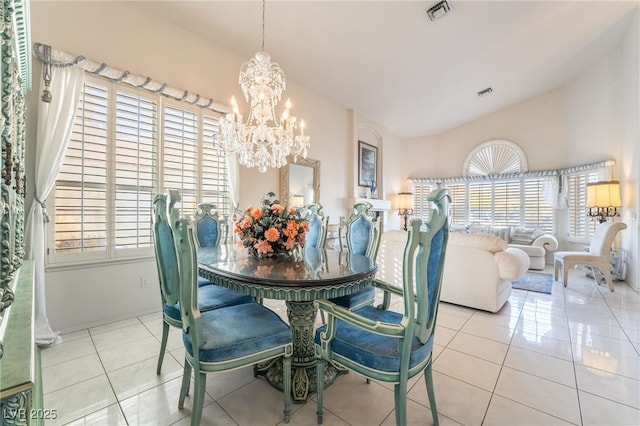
[(296, 201), (405, 200), (604, 194)]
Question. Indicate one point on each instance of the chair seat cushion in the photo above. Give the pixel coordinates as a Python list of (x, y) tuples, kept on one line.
[(211, 297), (373, 350), (203, 281), (356, 300), (576, 256), (237, 331)]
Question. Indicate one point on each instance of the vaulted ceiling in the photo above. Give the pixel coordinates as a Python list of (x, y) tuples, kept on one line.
[(389, 62)]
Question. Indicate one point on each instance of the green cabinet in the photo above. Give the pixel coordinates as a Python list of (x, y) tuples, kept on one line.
[(20, 383)]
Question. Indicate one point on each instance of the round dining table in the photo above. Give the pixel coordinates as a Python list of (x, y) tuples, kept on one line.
[(298, 279)]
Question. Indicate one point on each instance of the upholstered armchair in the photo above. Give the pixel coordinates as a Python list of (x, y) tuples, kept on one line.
[(393, 346), (226, 338), (362, 233), (598, 256), (210, 296)]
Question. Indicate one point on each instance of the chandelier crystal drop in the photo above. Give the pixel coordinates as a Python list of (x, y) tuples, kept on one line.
[(263, 141)]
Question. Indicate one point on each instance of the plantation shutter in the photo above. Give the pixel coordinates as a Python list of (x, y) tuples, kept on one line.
[(538, 214), (135, 172), (81, 187), (421, 207), (480, 203), (215, 180), (180, 156), (506, 203), (580, 225), (458, 206)]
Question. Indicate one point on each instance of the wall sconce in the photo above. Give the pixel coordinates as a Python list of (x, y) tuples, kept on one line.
[(603, 199), (405, 206)]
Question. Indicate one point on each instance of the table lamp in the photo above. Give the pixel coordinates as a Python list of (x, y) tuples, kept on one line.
[(603, 199), (405, 206)]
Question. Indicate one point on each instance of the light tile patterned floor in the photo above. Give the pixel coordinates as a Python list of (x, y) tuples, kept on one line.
[(567, 358)]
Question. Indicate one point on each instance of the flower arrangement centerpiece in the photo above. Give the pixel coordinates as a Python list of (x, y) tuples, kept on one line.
[(271, 229)]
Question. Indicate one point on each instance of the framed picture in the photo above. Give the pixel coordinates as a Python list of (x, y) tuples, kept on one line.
[(367, 164)]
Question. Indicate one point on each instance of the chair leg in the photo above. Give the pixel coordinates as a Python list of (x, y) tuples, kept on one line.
[(163, 345), (320, 388), (556, 264), (400, 400), (428, 378), (608, 278), (565, 273), (186, 381), (200, 382), (286, 387)]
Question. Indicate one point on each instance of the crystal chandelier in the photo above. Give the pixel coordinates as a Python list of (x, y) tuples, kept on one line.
[(262, 141)]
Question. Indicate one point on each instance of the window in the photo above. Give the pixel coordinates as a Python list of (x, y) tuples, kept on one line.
[(126, 146), (496, 191), (581, 226), (511, 202)]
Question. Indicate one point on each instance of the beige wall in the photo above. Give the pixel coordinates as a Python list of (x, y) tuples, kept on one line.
[(125, 37), (595, 117), (629, 169), (536, 125)]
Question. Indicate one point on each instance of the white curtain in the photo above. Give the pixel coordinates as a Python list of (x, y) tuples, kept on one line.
[(554, 191), (232, 173), (55, 121)]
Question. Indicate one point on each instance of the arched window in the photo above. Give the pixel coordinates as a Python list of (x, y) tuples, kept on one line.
[(495, 157)]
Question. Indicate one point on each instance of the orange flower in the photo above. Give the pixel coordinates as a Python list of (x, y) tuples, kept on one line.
[(239, 231), (263, 247), (290, 244), (272, 234), (292, 211), (257, 213), (292, 229), (277, 208), (304, 225), (245, 223), (303, 239)]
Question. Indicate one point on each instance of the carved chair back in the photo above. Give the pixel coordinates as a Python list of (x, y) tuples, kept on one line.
[(603, 238), (209, 229), (362, 231), (318, 225), (166, 260)]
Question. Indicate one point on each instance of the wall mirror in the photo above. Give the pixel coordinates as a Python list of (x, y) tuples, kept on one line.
[(300, 182)]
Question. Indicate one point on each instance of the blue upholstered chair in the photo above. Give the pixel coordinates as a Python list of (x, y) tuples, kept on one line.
[(318, 224), (362, 234), (389, 346), (210, 296), (226, 338), (210, 230)]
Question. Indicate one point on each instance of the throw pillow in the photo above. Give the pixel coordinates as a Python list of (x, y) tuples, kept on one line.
[(502, 232), (523, 236)]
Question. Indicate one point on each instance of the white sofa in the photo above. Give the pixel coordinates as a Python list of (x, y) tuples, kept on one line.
[(478, 270), (532, 241)]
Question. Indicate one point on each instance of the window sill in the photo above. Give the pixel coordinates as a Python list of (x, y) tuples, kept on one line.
[(67, 266)]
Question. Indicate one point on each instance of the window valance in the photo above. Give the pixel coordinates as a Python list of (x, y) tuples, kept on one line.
[(57, 58), (517, 175)]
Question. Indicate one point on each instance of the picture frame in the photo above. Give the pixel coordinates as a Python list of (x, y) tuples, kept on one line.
[(367, 164)]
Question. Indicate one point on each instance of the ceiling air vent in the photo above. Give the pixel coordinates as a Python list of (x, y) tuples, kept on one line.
[(485, 92), (439, 10)]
